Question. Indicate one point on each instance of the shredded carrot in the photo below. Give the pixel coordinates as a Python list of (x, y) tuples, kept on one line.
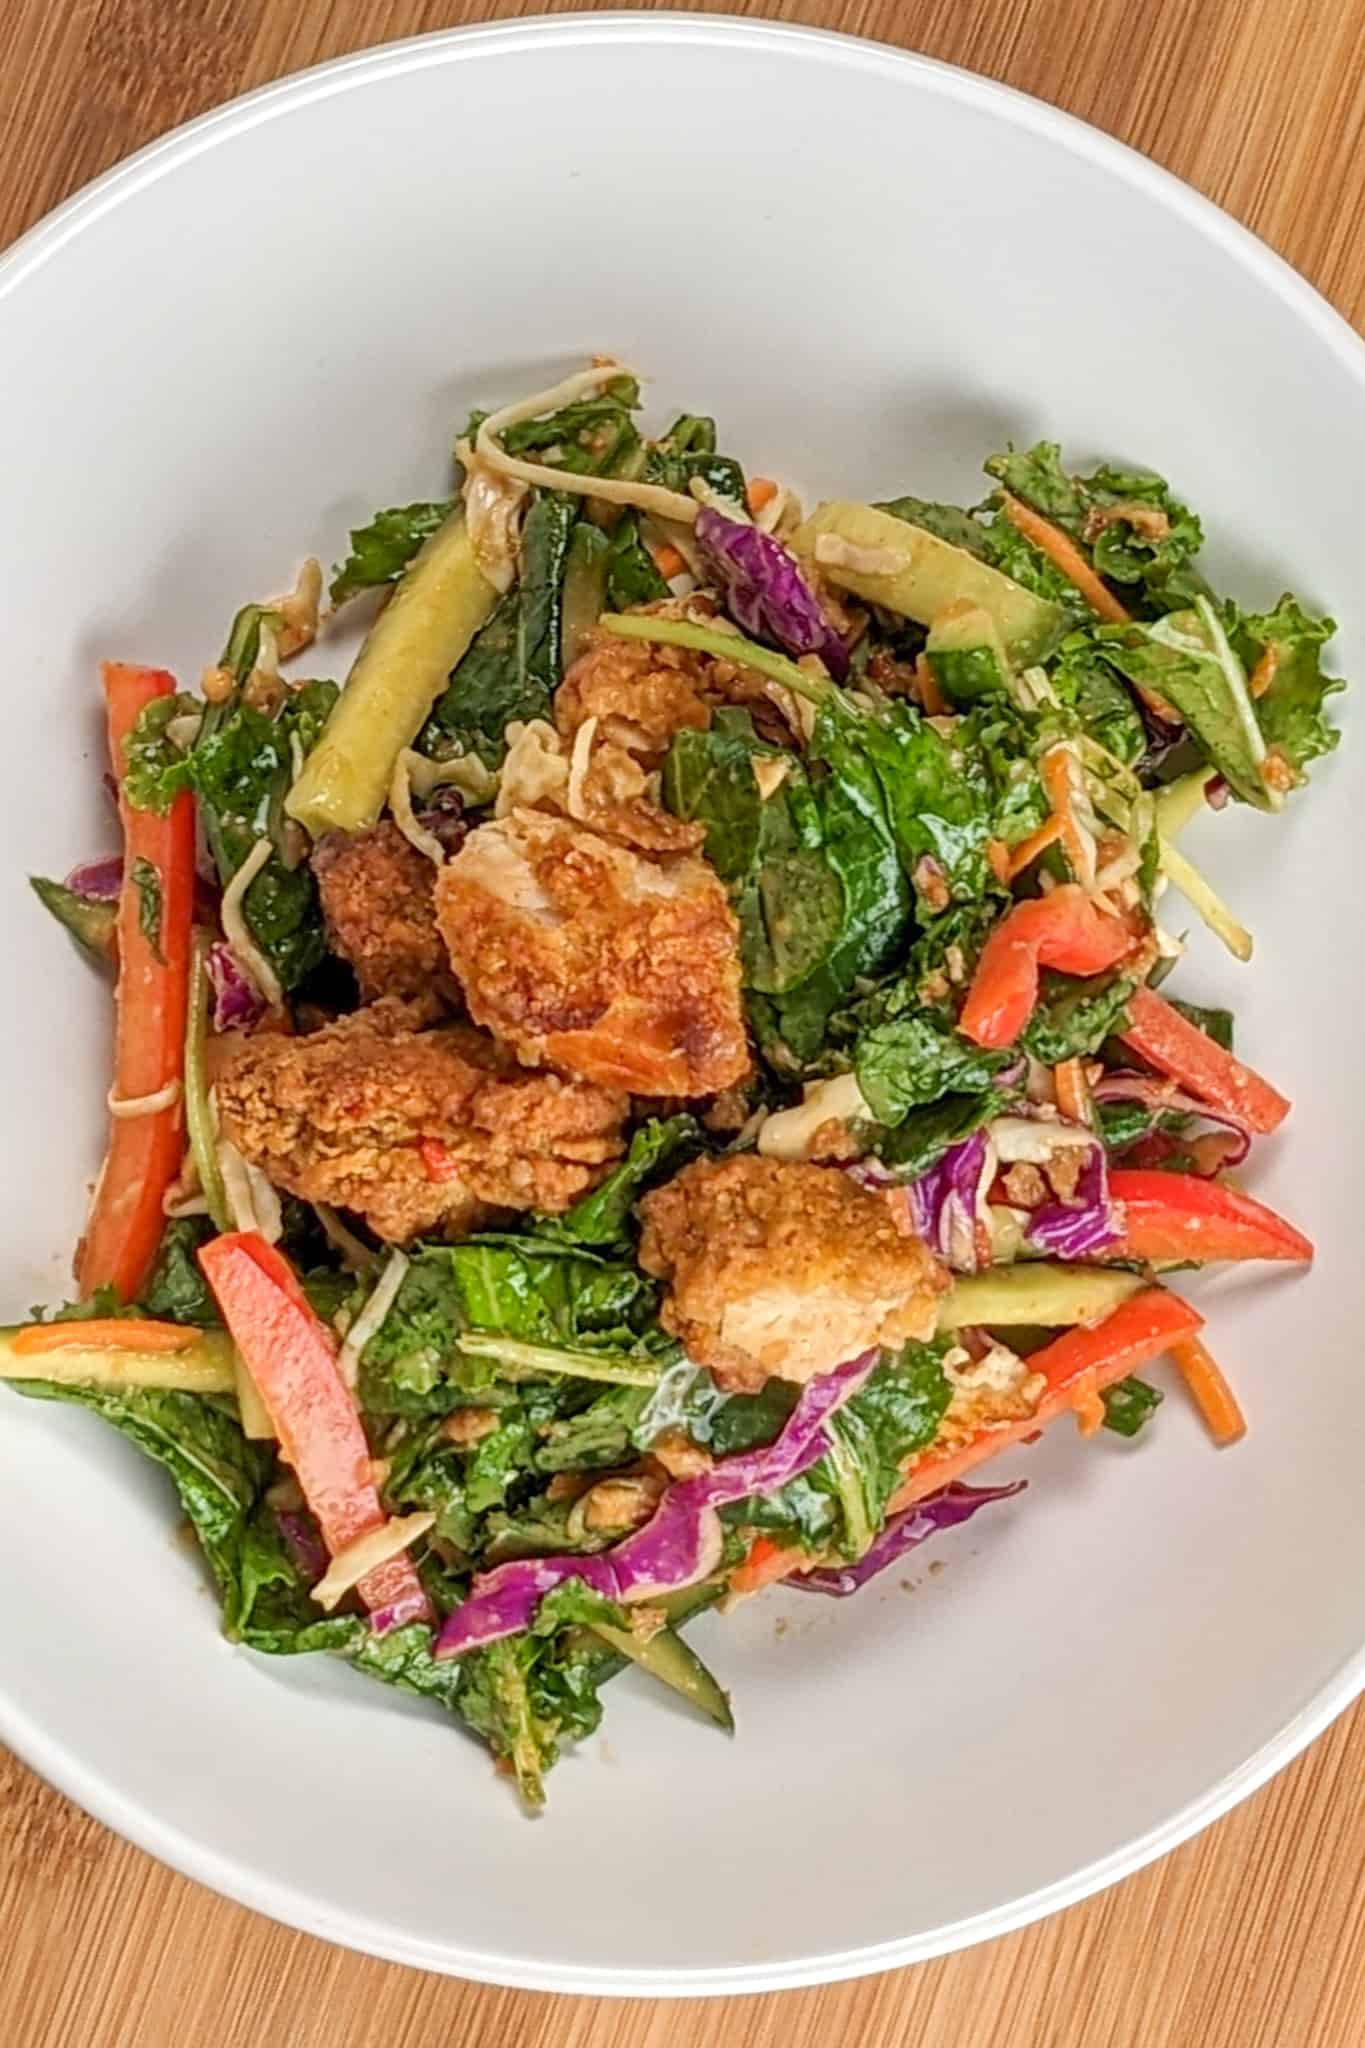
[(930, 695), (1263, 675), (1087, 1403), (103, 1333), (998, 859), (761, 491), (1055, 769), (1064, 554), (668, 561), (1073, 1096), (766, 1563), (1213, 1396), (1028, 850)]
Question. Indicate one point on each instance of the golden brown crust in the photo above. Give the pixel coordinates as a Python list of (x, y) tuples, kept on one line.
[(782, 1269), (414, 1130), (378, 901), (582, 955)]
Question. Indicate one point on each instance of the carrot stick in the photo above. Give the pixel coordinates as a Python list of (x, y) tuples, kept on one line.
[(1064, 554), (149, 1029), (1055, 770), (1073, 1097), (668, 561), (1213, 1396), (103, 1333), (1263, 675), (761, 491), (766, 1563), (1028, 850), (930, 695)]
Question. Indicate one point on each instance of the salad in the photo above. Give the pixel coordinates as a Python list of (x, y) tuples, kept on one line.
[(642, 1092)]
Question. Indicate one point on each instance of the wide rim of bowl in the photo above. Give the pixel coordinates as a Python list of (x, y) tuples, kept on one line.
[(64, 1768)]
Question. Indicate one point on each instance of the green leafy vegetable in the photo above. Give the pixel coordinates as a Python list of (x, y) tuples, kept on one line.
[(937, 799), (688, 451), (1073, 1018), (1291, 712), (381, 551), (1186, 658), (632, 577), (1139, 533), (1215, 1023), (592, 437), (156, 769), (513, 666), (146, 879), (1130, 1405), (922, 1137), (1084, 681), (912, 1061), (176, 1291), (602, 1218)]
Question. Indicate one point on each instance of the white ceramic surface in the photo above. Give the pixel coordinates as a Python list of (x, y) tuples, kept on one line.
[(873, 270)]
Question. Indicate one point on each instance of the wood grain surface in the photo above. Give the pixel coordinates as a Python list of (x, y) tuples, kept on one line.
[(1252, 1936)]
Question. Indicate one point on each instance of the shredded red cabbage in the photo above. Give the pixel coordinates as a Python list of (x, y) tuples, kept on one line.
[(765, 592), (914, 1525), (303, 1542), (680, 1544), (236, 999), (99, 881), (1086, 1224), (946, 1202), (445, 820)]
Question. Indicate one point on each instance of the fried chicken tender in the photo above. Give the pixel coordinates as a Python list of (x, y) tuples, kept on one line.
[(776, 1268), (377, 900), (415, 1130), (582, 955)]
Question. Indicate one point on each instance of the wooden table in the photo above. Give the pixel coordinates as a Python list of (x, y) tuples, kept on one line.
[(1255, 1933)]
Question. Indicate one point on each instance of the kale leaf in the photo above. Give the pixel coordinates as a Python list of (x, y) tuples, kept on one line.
[(912, 1060), (381, 551), (601, 1219), (513, 666), (1291, 711), (1074, 1017)]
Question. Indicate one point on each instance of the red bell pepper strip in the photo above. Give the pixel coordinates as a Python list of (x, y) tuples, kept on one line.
[(1169, 1042), (292, 1358), (1180, 1216), (144, 1154), (1083, 1360), (1063, 930)]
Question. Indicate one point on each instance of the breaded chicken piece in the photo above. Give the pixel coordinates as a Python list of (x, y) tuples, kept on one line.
[(377, 900), (582, 955), (413, 1130), (780, 1269)]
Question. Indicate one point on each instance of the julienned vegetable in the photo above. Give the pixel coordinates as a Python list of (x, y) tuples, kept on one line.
[(292, 1359), (1177, 1218), (1159, 1034), (1140, 1329), (440, 603), (872, 815), (145, 1137)]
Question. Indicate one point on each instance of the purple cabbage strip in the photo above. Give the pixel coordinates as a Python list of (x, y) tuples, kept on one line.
[(944, 1201), (236, 999), (1083, 1226), (680, 1544), (914, 1525), (99, 881), (445, 820), (765, 592)]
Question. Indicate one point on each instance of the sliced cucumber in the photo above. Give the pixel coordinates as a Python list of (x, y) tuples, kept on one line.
[(203, 1367), (920, 576), (585, 587), (668, 1658), (1038, 1293), (439, 604)]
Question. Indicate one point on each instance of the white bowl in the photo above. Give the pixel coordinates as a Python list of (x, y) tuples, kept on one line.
[(873, 270)]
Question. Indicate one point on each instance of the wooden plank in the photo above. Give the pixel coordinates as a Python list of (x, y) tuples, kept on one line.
[(1251, 1937)]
